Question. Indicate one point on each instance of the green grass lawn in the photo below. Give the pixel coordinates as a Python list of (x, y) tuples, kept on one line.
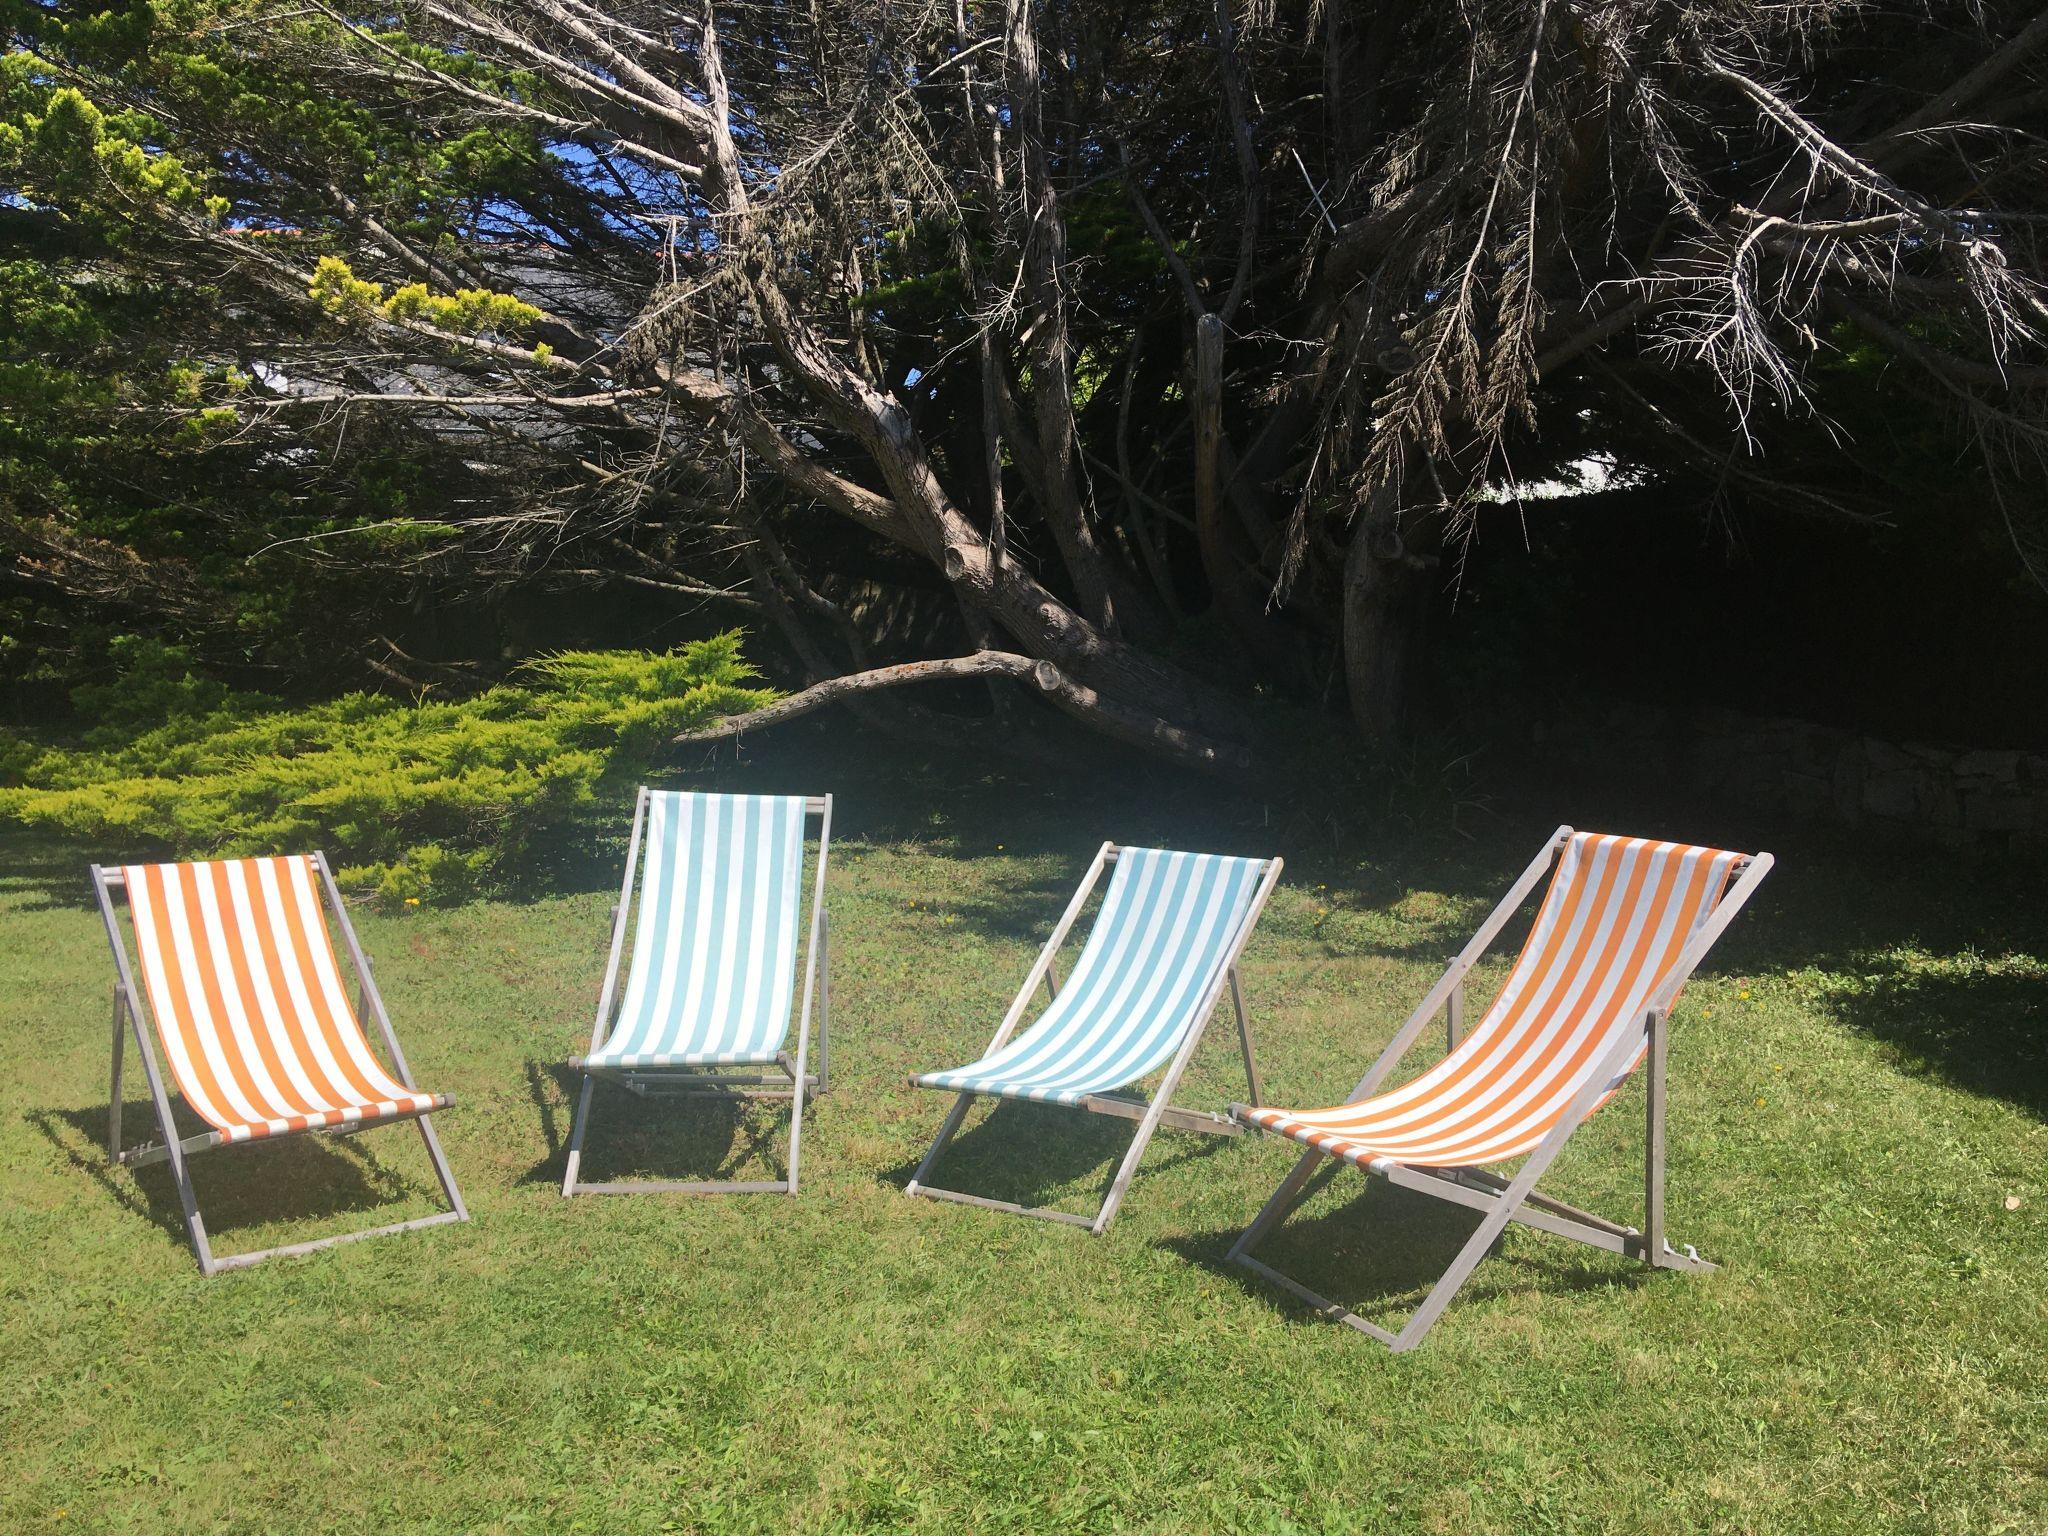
[(1856, 1135)]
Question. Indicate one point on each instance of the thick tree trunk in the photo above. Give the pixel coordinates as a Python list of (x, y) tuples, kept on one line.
[(1098, 587), (1386, 588), (1223, 521), (1212, 530)]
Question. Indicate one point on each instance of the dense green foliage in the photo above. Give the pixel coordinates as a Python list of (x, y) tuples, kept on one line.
[(136, 501), (335, 340), (144, 490), (428, 801)]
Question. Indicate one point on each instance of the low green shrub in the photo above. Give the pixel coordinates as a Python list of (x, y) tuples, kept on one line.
[(418, 802)]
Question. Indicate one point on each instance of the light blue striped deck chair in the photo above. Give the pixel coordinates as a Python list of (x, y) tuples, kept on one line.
[(713, 968), (1165, 944)]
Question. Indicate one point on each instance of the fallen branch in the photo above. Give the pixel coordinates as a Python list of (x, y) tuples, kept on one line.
[(605, 398), (1082, 702), (684, 586)]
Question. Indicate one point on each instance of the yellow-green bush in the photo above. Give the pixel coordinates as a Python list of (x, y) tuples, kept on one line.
[(428, 801)]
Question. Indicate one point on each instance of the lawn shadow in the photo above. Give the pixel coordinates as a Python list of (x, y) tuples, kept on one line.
[(1938, 955), (1980, 1031), (962, 800), (1026, 911), (1379, 1252), (39, 873), (627, 1136), (307, 1176), (1035, 1154)]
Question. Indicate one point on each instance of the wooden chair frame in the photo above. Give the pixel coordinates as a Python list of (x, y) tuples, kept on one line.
[(1503, 1200), (795, 1082), (130, 1003), (1149, 1115)]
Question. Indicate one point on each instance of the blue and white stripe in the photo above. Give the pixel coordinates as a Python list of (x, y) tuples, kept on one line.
[(1153, 959), (714, 941)]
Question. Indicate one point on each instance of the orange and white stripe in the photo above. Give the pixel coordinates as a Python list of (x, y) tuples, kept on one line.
[(1606, 942), (249, 1001)]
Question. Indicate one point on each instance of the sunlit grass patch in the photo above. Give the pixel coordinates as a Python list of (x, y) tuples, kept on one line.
[(1855, 1135)]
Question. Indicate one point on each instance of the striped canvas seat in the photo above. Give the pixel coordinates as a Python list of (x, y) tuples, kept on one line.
[(1623, 925), (1609, 934), (1166, 930), (1164, 944), (714, 942), (249, 1001)]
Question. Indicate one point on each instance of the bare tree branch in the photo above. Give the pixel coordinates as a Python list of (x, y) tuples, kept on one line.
[(1082, 702)]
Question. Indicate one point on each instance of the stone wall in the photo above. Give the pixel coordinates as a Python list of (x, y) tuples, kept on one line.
[(1954, 795)]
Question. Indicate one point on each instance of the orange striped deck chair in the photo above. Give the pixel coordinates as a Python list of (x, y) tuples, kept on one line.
[(242, 985), (1624, 924)]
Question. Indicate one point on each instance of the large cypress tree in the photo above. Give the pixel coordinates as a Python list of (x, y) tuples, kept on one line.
[(1088, 317)]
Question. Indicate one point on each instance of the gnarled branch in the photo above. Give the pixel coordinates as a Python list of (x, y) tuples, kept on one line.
[(1082, 702)]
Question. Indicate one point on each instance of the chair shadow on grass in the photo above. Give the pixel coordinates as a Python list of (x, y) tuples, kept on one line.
[(1036, 1154), (305, 1177), (663, 1138), (1379, 1252)]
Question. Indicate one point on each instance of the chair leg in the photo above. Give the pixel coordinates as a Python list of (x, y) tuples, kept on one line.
[(1276, 1206), (174, 1152), (824, 1006), (796, 1116), (796, 1121), (1477, 1246), (946, 1132), (1312, 1168), (181, 1175), (1423, 1318), (195, 1224), (441, 1169), (576, 1129), (1244, 1040), (1125, 1170), (114, 1092), (1139, 1142), (1653, 1146)]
